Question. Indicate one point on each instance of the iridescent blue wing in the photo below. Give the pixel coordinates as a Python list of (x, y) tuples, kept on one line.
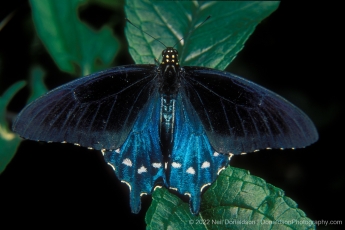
[(139, 161), (193, 163), (240, 116), (96, 111)]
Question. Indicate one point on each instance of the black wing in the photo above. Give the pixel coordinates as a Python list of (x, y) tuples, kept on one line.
[(240, 116), (96, 111)]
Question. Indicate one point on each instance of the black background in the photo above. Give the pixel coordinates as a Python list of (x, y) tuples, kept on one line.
[(296, 52)]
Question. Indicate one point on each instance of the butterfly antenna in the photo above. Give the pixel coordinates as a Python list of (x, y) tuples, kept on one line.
[(145, 32), (193, 30), (4, 22)]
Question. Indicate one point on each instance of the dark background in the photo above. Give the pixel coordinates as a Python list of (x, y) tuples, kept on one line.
[(296, 52)]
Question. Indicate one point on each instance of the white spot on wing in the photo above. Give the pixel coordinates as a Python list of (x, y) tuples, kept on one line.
[(158, 186), (190, 170), (172, 188), (219, 170), (268, 148), (117, 150), (206, 164), (127, 162), (89, 148), (143, 193), (142, 169), (187, 194), (243, 153), (76, 144), (129, 186), (215, 154), (204, 186), (230, 155), (156, 165), (256, 150), (176, 165), (112, 166)]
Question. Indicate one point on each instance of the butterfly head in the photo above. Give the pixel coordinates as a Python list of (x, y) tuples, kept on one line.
[(169, 57)]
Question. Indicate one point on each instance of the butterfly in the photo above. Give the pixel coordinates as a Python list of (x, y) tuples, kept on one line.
[(166, 125)]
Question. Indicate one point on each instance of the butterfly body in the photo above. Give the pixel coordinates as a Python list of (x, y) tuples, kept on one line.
[(166, 125), (169, 74)]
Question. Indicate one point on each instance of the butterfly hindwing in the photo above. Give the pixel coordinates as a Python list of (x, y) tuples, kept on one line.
[(193, 163), (139, 162), (96, 111), (240, 116)]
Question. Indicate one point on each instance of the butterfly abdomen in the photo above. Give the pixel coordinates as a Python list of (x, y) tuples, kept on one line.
[(167, 120)]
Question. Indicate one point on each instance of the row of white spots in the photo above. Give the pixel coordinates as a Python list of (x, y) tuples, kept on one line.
[(128, 162), (190, 170), (143, 169)]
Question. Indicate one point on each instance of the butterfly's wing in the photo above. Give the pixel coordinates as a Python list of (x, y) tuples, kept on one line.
[(96, 111), (193, 164), (240, 116), (139, 161)]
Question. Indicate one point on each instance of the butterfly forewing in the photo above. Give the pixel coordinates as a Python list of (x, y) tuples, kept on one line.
[(96, 111), (240, 116)]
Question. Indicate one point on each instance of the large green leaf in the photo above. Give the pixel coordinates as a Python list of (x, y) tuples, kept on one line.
[(214, 44), (9, 141), (75, 47), (237, 200)]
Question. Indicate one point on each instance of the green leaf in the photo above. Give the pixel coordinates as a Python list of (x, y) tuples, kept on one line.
[(9, 141), (37, 86), (74, 46), (237, 200), (214, 44)]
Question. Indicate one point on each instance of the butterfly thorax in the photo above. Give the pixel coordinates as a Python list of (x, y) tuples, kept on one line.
[(169, 86), (169, 69)]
